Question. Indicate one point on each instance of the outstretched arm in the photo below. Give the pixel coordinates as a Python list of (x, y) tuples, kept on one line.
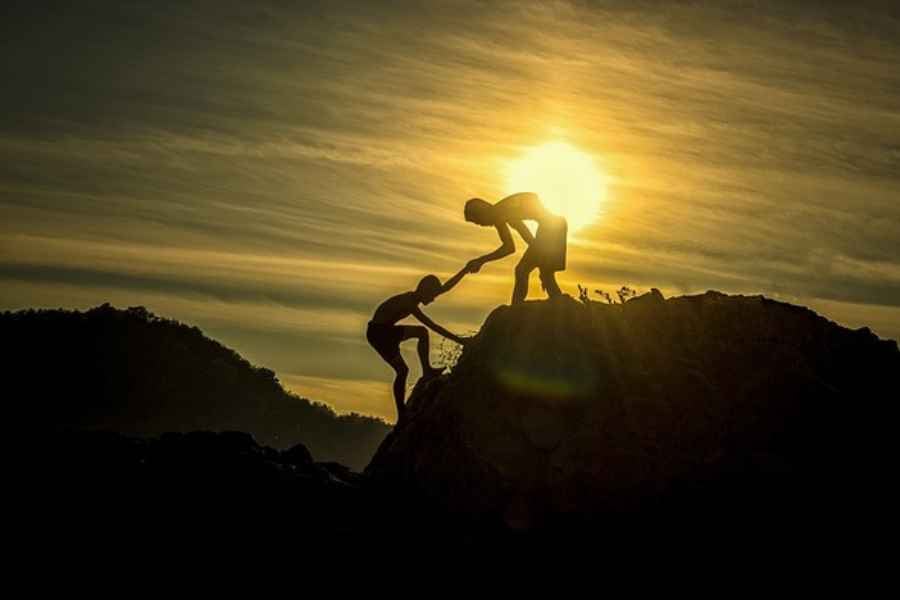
[(423, 318), (450, 283), (506, 248)]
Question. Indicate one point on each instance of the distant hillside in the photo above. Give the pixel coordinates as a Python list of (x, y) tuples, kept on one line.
[(133, 372)]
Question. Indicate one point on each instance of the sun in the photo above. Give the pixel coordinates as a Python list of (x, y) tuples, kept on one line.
[(566, 179)]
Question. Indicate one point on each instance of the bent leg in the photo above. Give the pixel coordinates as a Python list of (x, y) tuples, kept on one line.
[(548, 281), (420, 333), (402, 371), (523, 270)]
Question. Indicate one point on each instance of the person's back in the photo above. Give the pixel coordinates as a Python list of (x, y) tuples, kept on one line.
[(523, 206), (395, 308), (550, 238)]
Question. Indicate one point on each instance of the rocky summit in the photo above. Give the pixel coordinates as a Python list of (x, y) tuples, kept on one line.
[(563, 412), (563, 422)]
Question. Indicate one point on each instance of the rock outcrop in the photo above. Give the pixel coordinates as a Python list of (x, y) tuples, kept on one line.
[(562, 412)]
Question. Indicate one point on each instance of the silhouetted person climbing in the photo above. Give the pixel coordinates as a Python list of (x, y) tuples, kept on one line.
[(385, 335), (546, 249)]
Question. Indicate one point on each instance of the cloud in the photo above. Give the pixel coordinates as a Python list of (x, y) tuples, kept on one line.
[(372, 397)]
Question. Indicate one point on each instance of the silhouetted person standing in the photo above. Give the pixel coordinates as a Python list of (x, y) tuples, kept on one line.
[(384, 335), (546, 249)]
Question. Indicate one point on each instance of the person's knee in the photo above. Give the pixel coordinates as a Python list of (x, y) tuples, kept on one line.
[(523, 269)]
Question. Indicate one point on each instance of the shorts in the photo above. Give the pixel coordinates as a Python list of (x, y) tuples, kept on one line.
[(548, 251), (385, 339)]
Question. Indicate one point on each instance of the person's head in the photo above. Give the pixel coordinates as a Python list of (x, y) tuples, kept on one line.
[(479, 211), (428, 289)]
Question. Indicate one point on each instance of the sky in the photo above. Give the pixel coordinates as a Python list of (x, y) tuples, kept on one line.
[(271, 171)]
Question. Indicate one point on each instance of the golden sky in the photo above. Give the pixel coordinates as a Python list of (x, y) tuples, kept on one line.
[(271, 171)]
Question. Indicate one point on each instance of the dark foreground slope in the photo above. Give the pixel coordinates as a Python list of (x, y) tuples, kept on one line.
[(615, 429), (712, 408), (130, 371), (185, 482)]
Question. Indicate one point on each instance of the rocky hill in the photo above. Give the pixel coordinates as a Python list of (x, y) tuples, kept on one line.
[(563, 413), (563, 424), (130, 371)]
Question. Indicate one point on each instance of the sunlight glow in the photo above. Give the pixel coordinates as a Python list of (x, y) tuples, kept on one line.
[(566, 179)]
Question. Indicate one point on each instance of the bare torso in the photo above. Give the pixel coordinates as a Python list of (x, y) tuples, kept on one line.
[(395, 308), (548, 245), (520, 207)]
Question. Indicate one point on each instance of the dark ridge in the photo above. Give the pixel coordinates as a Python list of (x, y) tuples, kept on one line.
[(133, 372)]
